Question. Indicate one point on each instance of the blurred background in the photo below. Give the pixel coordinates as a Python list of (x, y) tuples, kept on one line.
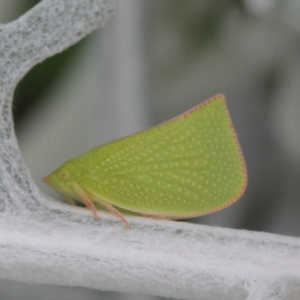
[(154, 60)]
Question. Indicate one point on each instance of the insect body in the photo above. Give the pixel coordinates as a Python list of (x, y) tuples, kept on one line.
[(188, 166)]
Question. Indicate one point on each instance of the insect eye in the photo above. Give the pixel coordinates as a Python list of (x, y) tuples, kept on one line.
[(64, 174)]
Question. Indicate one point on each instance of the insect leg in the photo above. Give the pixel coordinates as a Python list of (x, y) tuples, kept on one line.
[(114, 211), (80, 192)]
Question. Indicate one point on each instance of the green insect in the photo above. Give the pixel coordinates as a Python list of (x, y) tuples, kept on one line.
[(189, 166)]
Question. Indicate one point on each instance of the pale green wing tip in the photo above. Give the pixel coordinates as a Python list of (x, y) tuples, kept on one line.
[(244, 181), (243, 171), (242, 160)]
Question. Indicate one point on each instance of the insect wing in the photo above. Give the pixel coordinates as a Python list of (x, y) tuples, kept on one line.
[(189, 166)]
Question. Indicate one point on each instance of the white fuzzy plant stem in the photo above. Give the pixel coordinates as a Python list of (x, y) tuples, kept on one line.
[(43, 241)]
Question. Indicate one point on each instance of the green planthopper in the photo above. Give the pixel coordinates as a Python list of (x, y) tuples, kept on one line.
[(189, 166)]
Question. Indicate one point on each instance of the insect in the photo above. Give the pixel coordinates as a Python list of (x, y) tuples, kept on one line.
[(188, 166)]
